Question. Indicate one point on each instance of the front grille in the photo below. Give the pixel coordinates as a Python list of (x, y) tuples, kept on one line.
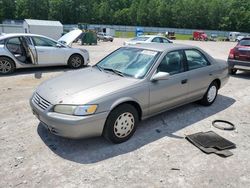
[(41, 102)]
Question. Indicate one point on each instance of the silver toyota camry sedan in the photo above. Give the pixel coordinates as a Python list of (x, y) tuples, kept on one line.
[(29, 50), (129, 85)]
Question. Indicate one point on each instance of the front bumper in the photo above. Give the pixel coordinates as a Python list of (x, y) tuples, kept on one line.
[(75, 127), (237, 64)]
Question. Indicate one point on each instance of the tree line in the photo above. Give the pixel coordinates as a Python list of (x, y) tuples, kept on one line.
[(192, 14)]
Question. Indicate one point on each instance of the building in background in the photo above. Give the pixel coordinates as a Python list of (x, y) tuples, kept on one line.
[(52, 29)]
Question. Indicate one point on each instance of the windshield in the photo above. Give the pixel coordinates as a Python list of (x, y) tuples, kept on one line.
[(140, 39), (131, 62), (245, 42)]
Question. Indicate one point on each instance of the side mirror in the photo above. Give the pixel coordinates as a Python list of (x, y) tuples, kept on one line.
[(160, 76)]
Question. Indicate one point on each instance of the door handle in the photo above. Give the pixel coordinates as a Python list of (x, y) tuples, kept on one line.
[(184, 81)]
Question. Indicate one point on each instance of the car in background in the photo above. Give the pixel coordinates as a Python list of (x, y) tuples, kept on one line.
[(148, 39), (130, 84), (104, 37), (200, 35), (29, 50), (239, 56), (235, 36)]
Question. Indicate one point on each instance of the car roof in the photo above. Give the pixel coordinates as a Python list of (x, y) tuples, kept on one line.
[(162, 47), (151, 36), (5, 36)]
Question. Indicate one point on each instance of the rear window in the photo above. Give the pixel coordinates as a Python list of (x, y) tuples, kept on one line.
[(245, 42), (140, 39)]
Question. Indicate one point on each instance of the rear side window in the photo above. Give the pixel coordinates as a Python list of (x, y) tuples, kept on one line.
[(195, 59), (165, 40), (245, 42)]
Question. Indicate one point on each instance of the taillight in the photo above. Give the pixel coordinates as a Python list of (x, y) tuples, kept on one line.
[(231, 54)]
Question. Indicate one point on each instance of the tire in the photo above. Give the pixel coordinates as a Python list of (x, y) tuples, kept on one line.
[(7, 65), (210, 95), (76, 61), (121, 123), (232, 71)]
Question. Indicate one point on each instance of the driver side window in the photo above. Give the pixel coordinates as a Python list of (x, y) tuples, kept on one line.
[(40, 41), (172, 63)]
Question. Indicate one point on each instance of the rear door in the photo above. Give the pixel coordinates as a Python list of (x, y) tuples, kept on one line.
[(199, 73), (30, 48)]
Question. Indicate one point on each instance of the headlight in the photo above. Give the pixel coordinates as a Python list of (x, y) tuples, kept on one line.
[(75, 110)]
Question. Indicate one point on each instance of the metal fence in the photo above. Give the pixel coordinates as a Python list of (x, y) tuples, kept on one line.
[(11, 28), (123, 28)]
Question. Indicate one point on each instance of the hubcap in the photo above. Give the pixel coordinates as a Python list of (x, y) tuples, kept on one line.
[(211, 93), (124, 124), (76, 61), (5, 66)]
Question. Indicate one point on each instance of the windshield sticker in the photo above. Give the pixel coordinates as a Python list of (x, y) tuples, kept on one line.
[(148, 52)]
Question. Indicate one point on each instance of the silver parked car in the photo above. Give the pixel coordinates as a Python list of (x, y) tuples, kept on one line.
[(104, 37), (28, 50), (129, 85), (148, 39)]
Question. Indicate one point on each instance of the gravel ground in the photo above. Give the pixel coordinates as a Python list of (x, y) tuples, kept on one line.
[(156, 156)]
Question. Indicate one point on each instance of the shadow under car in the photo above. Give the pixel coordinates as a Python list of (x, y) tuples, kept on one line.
[(93, 150)]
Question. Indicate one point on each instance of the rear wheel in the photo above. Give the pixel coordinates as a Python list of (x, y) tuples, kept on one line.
[(121, 123), (76, 61), (232, 71), (210, 95), (7, 65)]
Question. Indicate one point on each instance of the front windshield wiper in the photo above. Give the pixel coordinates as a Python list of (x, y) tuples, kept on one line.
[(114, 71), (100, 69)]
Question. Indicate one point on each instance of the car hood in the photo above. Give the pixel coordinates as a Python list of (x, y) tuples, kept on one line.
[(69, 37), (82, 86)]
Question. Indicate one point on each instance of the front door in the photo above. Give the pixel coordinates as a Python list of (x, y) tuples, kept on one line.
[(168, 93), (47, 51)]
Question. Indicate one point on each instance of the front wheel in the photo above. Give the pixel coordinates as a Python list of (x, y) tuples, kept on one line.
[(121, 123), (7, 66), (76, 61), (210, 95)]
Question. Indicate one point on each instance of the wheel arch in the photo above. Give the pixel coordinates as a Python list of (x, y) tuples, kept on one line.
[(5, 56), (76, 53), (130, 101), (9, 58), (218, 82)]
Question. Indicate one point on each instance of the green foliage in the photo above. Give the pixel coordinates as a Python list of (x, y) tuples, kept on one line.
[(193, 14)]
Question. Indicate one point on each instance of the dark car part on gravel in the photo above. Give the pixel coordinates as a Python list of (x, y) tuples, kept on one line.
[(210, 142), (231, 126)]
